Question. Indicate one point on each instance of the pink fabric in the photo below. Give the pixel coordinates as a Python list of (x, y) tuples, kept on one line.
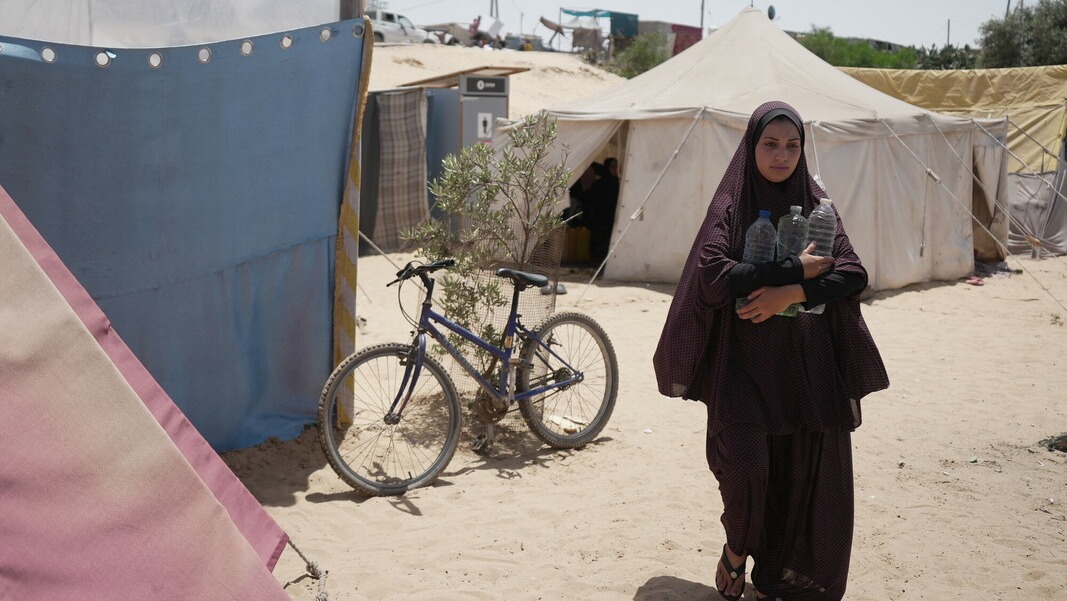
[(106, 489)]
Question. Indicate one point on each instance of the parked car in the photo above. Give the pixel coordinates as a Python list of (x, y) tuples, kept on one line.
[(393, 27)]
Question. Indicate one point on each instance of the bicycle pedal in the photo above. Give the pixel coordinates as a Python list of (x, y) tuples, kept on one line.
[(480, 444)]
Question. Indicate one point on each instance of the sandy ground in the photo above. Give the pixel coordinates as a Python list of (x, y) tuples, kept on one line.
[(955, 496)]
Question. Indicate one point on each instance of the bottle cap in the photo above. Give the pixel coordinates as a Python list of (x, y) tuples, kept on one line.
[(826, 201), (795, 208), (764, 213)]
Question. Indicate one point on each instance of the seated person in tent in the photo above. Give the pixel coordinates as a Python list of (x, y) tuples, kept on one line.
[(575, 214), (603, 198)]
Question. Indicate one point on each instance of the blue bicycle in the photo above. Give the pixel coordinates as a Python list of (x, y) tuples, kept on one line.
[(390, 416)]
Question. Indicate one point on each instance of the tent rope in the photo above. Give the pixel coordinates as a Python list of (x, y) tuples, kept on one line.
[(1031, 138), (384, 254), (930, 172), (641, 209), (815, 153), (315, 571)]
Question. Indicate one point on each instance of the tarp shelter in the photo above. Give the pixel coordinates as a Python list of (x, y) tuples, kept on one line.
[(106, 490), (407, 133), (677, 126), (153, 23), (195, 192), (1034, 99)]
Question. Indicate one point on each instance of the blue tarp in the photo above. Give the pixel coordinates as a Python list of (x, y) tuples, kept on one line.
[(197, 202), (598, 13)]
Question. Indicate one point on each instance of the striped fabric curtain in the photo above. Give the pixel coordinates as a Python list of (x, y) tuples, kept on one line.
[(403, 199)]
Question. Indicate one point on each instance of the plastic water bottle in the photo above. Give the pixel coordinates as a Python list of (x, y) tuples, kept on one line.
[(760, 242), (792, 238), (822, 229), (792, 233)]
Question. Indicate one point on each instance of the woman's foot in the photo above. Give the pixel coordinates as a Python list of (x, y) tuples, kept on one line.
[(730, 575)]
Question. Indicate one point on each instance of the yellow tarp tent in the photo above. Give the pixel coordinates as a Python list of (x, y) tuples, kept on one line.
[(1033, 98)]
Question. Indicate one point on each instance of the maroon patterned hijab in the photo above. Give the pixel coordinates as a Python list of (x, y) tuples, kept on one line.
[(697, 342)]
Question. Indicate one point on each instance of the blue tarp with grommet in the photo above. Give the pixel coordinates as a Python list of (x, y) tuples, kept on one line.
[(194, 191)]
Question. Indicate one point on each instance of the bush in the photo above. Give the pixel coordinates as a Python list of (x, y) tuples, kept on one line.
[(644, 52), (499, 208)]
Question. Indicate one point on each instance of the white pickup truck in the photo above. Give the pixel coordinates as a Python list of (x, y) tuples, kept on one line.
[(393, 27)]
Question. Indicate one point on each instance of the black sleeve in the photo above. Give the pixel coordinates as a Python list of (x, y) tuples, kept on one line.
[(746, 277), (831, 286)]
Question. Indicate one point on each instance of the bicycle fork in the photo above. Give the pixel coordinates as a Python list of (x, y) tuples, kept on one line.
[(411, 377)]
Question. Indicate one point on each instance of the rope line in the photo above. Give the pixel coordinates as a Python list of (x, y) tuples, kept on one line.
[(641, 209), (384, 254), (937, 178), (1031, 138), (315, 572), (815, 153)]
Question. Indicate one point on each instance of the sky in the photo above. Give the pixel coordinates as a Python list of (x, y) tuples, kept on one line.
[(906, 22)]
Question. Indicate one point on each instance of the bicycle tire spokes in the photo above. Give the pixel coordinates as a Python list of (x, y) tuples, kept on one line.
[(578, 363), (376, 450)]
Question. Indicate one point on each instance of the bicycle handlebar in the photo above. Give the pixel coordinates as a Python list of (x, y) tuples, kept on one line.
[(411, 269)]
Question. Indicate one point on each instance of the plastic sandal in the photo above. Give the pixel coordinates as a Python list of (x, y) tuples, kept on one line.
[(734, 573)]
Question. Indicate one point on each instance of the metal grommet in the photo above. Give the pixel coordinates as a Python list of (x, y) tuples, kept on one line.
[(48, 55), (248, 47)]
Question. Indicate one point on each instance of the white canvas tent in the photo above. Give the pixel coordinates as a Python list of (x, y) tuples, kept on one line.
[(676, 128)]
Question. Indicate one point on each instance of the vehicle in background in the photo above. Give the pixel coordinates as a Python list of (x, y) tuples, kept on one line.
[(389, 26)]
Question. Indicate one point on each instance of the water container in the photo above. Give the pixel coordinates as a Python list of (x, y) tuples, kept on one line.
[(792, 239), (792, 233), (822, 229), (760, 242)]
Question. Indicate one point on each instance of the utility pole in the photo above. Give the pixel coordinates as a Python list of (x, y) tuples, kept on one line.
[(351, 9), (948, 36), (702, 19)]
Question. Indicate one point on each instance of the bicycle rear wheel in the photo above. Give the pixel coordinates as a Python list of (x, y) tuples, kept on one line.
[(378, 454), (572, 415)]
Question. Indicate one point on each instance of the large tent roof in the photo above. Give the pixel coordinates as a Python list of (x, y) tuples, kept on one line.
[(739, 66)]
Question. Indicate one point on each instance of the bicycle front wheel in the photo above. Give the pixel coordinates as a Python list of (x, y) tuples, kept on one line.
[(378, 452), (573, 414)]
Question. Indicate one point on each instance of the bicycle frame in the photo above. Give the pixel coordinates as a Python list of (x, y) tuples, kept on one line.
[(428, 324)]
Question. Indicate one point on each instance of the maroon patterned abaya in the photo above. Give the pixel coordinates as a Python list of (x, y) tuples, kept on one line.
[(782, 395)]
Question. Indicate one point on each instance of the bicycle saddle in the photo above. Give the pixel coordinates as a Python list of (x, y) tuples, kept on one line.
[(523, 279)]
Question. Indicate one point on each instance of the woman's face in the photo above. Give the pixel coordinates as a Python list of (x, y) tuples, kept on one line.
[(778, 150)]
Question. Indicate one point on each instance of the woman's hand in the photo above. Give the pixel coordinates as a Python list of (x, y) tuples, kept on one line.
[(765, 302), (814, 265)]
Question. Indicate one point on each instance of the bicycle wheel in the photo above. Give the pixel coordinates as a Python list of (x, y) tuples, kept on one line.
[(377, 454), (572, 415)]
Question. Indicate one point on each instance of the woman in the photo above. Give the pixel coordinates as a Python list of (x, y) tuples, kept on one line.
[(782, 393)]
